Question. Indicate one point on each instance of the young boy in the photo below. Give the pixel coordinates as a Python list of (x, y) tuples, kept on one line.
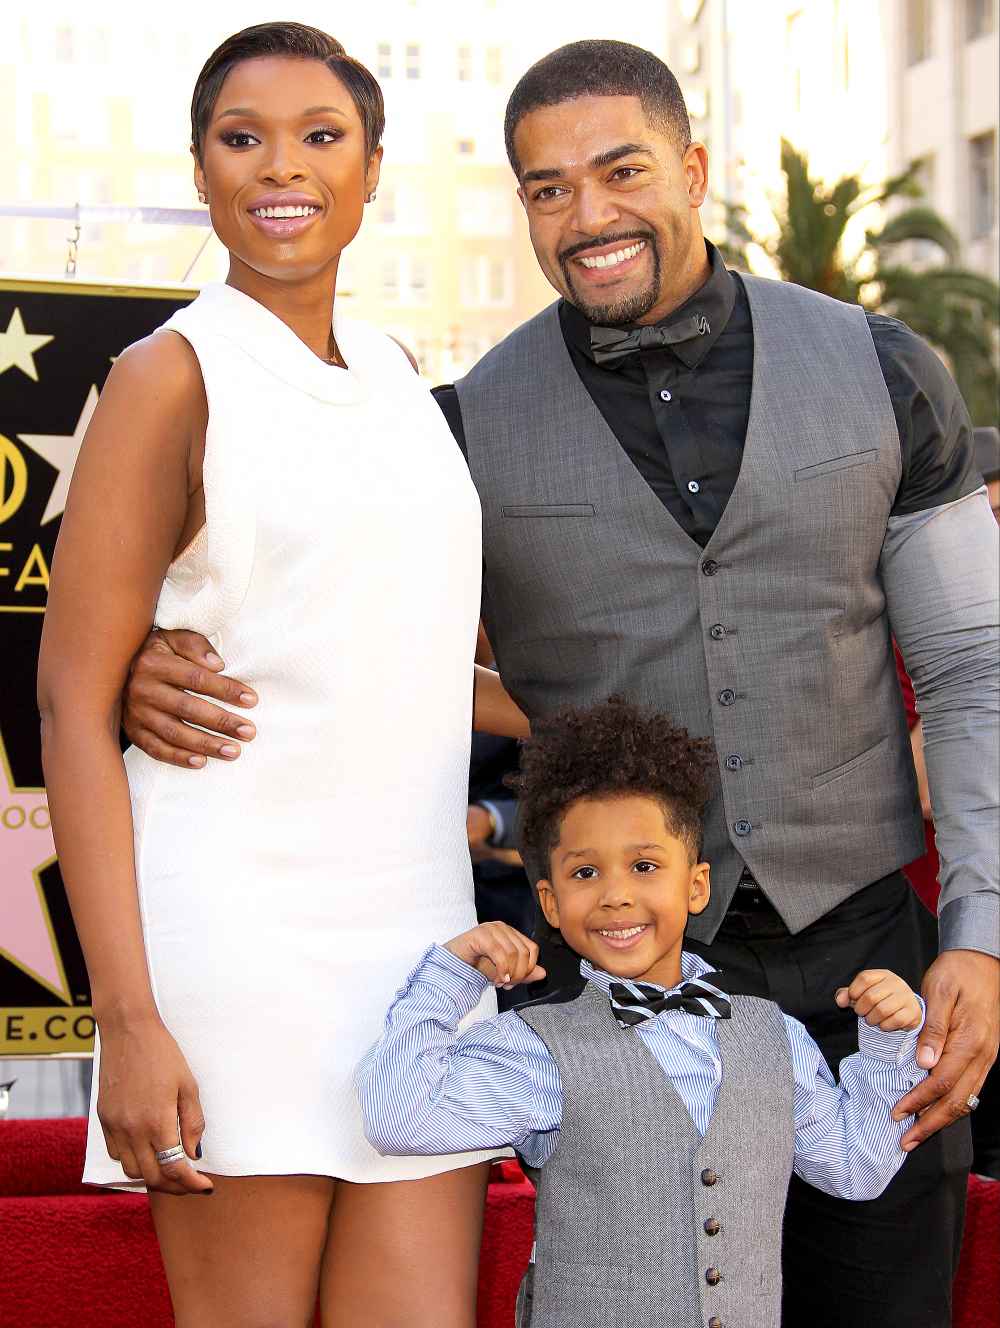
[(662, 1116)]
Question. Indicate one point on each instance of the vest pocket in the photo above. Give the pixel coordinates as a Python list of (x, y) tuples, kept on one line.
[(567, 1295), (837, 463), (548, 509), (838, 771)]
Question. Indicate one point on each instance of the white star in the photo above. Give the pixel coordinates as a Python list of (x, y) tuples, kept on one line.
[(61, 451), (17, 347)]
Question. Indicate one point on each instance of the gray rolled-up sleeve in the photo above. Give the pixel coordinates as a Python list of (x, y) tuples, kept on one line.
[(941, 571)]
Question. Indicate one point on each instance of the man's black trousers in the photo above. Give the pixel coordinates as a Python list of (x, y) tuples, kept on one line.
[(888, 1262)]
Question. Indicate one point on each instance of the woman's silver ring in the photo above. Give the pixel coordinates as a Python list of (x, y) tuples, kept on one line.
[(972, 1102), (175, 1154)]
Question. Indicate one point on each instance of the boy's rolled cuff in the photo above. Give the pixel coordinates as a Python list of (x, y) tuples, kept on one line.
[(895, 1048), (450, 978)]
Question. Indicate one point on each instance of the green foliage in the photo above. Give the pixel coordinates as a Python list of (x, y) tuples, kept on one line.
[(953, 308)]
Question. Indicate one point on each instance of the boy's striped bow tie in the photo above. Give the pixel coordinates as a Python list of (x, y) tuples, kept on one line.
[(693, 997)]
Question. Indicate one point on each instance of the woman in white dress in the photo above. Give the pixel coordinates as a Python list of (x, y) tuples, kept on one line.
[(277, 477)]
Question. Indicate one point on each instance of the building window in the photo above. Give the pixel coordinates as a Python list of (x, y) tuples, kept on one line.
[(983, 178), (65, 45), (465, 64), (412, 60), (794, 50), (498, 282), (384, 61), (390, 279), (925, 176), (494, 64), (387, 205), (918, 31), (418, 281), (978, 18)]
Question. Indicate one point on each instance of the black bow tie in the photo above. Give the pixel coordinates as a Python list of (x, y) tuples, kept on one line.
[(610, 346), (693, 997)]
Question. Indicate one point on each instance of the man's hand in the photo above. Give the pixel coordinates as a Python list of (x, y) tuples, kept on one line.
[(958, 1043), (158, 710), (500, 953)]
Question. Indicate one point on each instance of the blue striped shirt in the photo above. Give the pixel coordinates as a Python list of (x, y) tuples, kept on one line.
[(428, 1088)]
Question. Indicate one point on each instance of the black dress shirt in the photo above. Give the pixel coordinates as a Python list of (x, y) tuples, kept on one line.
[(680, 412)]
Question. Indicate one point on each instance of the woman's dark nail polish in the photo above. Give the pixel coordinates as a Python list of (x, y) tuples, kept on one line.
[(197, 1151)]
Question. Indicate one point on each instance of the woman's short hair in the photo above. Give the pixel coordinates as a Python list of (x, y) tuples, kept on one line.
[(600, 69), (300, 42)]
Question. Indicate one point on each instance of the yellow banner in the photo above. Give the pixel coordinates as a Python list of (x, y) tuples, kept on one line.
[(31, 1030)]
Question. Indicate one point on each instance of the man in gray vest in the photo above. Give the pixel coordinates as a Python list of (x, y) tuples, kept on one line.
[(721, 496)]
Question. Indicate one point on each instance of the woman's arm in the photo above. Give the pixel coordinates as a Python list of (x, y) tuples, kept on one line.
[(494, 710), (127, 512)]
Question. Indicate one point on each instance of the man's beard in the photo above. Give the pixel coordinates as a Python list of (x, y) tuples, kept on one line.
[(616, 312)]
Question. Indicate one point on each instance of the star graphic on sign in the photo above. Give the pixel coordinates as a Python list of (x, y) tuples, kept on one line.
[(17, 347), (61, 451), (26, 849)]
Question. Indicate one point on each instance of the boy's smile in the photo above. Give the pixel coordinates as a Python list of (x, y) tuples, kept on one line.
[(622, 886)]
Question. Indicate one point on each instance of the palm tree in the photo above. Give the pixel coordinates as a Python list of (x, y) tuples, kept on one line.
[(953, 308)]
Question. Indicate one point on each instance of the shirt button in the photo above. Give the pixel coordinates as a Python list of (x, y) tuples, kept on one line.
[(712, 1226), (712, 1276), (734, 762), (742, 827), (694, 486), (717, 631), (709, 567), (709, 1177), (727, 697), (666, 395)]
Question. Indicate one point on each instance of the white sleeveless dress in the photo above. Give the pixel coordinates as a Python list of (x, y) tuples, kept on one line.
[(285, 896)]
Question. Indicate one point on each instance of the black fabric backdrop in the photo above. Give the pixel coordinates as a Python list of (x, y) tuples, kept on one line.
[(87, 326)]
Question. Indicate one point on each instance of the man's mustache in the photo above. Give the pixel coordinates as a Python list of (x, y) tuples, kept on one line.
[(601, 240)]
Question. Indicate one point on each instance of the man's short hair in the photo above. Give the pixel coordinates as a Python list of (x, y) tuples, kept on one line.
[(600, 69)]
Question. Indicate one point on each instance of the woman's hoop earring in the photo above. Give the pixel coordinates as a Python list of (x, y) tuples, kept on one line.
[(202, 198), (371, 197)]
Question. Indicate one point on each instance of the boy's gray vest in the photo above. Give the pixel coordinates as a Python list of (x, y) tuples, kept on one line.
[(641, 1223), (773, 640)]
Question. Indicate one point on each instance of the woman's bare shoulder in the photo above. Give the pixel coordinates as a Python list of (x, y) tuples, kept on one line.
[(164, 365)]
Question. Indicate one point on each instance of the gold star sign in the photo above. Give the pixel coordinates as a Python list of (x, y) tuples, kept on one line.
[(18, 347), (61, 451)]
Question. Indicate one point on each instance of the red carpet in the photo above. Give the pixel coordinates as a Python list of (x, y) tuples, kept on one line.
[(73, 1258)]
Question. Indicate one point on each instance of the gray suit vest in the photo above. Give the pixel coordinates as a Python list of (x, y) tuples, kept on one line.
[(773, 640), (640, 1222)]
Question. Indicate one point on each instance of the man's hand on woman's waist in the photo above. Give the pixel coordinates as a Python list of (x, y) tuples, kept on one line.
[(163, 701)]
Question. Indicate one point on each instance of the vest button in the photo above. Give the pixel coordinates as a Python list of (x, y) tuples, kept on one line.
[(666, 395), (712, 1226), (715, 1322), (727, 697), (709, 567), (734, 762), (712, 1276), (717, 631), (709, 1177), (742, 827)]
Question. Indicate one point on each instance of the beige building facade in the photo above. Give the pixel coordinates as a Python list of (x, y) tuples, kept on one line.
[(99, 108), (862, 86), (944, 80)]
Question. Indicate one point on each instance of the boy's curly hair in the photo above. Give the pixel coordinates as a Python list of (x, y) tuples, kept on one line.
[(608, 750)]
